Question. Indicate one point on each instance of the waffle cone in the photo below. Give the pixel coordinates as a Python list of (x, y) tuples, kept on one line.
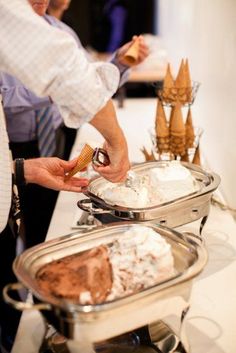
[(83, 160), (168, 80), (188, 82), (148, 156), (177, 127), (180, 81), (187, 74), (196, 157), (190, 136), (161, 126), (185, 157), (132, 54)]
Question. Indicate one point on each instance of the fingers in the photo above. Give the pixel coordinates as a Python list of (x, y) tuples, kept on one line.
[(112, 174), (75, 184), (68, 165), (77, 181), (135, 37)]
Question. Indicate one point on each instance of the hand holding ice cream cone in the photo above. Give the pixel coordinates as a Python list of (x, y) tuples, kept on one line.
[(85, 157), (98, 156), (134, 52)]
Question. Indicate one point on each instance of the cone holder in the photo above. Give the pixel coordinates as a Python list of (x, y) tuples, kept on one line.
[(186, 96), (168, 156)]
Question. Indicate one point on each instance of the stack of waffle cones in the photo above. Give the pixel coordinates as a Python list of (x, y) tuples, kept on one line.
[(196, 157), (85, 157), (174, 136), (177, 131), (190, 136), (179, 89), (169, 91), (162, 129)]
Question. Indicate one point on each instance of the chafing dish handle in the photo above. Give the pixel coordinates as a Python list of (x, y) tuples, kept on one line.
[(18, 305), (83, 205)]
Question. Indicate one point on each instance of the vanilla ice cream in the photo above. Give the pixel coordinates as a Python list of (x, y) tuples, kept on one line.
[(139, 259), (152, 187)]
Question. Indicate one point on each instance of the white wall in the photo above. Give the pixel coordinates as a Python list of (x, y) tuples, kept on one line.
[(205, 32)]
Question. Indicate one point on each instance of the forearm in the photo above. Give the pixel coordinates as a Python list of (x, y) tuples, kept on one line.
[(105, 121)]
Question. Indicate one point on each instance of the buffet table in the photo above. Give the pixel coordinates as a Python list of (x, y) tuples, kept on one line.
[(211, 320)]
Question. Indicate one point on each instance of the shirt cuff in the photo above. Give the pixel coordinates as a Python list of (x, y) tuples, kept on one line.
[(121, 67)]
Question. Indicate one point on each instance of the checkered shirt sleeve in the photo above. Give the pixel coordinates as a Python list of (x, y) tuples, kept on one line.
[(48, 61)]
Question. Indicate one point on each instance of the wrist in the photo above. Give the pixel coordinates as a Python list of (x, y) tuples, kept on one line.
[(118, 62), (19, 172)]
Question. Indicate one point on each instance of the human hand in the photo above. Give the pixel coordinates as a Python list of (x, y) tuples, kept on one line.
[(105, 121), (142, 53), (119, 162), (50, 173)]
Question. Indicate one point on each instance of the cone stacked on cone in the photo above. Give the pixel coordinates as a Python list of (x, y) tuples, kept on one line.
[(197, 159), (177, 131), (179, 89), (174, 135), (162, 129), (188, 82), (148, 156), (183, 83), (180, 81), (190, 136), (169, 90), (85, 157)]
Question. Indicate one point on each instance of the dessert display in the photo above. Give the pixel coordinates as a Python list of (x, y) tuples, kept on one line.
[(152, 187), (138, 259), (174, 136), (181, 89)]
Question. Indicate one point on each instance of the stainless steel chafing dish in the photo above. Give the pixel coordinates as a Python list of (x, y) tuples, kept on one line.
[(94, 323), (172, 214)]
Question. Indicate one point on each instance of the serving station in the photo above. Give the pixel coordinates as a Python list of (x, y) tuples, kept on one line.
[(183, 315)]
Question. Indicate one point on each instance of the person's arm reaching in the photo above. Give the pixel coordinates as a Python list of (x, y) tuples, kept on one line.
[(116, 145), (142, 53), (50, 173), (49, 62)]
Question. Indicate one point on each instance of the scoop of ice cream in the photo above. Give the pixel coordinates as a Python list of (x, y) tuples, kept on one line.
[(172, 181), (84, 277), (126, 196), (139, 259), (151, 187)]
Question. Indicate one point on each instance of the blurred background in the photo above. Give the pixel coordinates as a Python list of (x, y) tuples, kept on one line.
[(202, 31)]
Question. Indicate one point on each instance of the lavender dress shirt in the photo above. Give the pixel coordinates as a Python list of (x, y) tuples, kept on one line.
[(20, 103)]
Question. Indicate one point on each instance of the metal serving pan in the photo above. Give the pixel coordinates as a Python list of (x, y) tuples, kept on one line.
[(174, 213), (94, 323)]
